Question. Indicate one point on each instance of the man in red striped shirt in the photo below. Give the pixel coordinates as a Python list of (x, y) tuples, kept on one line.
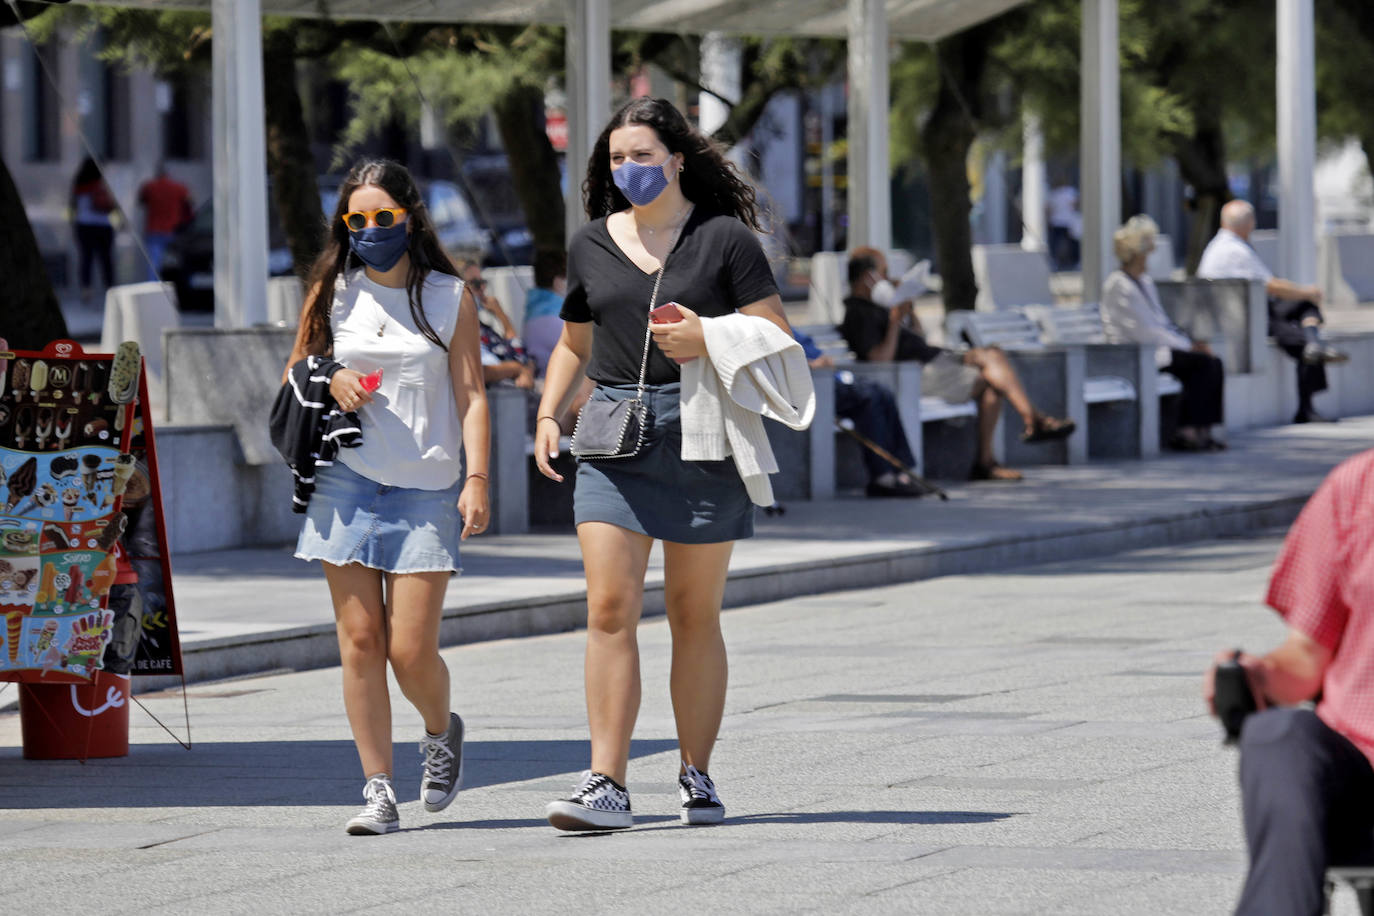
[(1307, 786)]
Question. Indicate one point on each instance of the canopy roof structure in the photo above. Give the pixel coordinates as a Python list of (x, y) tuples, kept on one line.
[(907, 20)]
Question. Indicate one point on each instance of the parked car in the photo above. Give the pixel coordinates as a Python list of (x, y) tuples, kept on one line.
[(189, 262)]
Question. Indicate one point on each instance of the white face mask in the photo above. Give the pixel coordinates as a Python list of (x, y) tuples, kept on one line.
[(884, 293)]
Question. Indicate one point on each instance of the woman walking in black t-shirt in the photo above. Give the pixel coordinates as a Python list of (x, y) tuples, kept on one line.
[(659, 194)]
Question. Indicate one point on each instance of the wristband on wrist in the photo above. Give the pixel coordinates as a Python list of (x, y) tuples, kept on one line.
[(477, 474), (554, 419)]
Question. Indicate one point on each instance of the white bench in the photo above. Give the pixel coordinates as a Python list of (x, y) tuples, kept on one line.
[(1061, 325), (1009, 276), (141, 312), (1345, 264)]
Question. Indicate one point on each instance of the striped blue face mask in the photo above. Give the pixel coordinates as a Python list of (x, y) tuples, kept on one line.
[(641, 184)]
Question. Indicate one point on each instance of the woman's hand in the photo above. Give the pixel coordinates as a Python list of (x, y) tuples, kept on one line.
[(347, 389), (474, 505), (681, 340), (546, 435)]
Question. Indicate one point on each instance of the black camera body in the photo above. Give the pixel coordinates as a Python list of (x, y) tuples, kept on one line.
[(1232, 697)]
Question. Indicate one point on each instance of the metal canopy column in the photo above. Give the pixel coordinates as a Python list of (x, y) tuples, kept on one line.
[(1101, 142), (870, 201), (240, 165), (1297, 141), (589, 93), (1034, 233)]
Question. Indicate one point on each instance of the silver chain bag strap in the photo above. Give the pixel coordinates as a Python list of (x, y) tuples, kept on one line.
[(616, 429)]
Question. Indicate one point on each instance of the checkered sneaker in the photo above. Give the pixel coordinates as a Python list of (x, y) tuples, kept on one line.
[(598, 802), (700, 803), (379, 815), (443, 765)]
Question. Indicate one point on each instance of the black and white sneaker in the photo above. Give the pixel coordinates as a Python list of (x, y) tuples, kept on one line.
[(379, 815), (597, 803), (443, 774), (700, 803)]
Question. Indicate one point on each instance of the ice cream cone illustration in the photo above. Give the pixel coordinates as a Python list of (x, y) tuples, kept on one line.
[(43, 497), (70, 497), (22, 482), (90, 467), (123, 470), (14, 625)]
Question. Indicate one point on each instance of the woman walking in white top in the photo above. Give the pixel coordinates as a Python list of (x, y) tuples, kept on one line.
[(386, 518), (672, 221)]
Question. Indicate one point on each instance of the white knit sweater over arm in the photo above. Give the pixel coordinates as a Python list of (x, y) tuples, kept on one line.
[(753, 369)]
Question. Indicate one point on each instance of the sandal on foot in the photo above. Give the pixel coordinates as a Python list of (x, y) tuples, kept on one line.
[(994, 471), (1046, 429)]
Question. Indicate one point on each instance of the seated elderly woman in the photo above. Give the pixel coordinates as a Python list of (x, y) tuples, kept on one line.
[(1131, 313)]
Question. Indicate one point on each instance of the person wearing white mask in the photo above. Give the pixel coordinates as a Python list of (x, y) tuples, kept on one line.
[(880, 329)]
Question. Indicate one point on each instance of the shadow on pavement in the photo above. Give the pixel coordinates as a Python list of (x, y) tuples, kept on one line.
[(268, 773)]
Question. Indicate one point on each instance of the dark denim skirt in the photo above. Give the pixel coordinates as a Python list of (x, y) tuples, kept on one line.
[(656, 492)]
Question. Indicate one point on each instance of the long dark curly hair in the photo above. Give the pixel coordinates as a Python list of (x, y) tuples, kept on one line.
[(709, 180), (426, 253)]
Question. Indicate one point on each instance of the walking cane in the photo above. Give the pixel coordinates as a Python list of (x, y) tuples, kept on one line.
[(926, 486)]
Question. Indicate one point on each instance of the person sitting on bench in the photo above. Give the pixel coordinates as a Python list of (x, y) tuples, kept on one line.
[(1294, 317), (880, 330), (1307, 786)]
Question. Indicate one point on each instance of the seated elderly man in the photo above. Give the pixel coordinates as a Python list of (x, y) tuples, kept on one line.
[(1294, 317), (880, 330), (1132, 313), (1307, 786)]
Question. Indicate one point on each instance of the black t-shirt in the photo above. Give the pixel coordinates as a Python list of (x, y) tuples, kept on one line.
[(717, 267), (865, 326)]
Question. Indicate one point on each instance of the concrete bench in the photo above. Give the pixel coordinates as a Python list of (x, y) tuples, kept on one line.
[(510, 285), (285, 297), (1230, 315), (1345, 266), (1009, 276)]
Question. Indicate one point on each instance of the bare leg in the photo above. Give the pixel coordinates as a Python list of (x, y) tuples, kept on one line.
[(1001, 376), (415, 602), (694, 577), (359, 615), (615, 561), (989, 409)]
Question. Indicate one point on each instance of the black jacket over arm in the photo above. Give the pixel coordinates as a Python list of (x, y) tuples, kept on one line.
[(307, 426)]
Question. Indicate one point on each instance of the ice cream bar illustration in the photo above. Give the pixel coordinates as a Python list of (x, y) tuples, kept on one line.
[(63, 466), (59, 376), (43, 429), (90, 466), (14, 624), (4, 362), (23, 425), (45, 637), (43, 497), (70, 497), (111, 533), (38, 377), (47, 590), (64, 429), (19, 376), (97, 428), (22, 482), (123, 470), (78, 579), (124, 373), (103, 576)]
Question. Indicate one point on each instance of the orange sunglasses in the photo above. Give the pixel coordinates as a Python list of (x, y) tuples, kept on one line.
[(383, 217)]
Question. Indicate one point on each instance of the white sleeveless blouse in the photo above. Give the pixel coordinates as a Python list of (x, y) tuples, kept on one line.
[(411, 433)]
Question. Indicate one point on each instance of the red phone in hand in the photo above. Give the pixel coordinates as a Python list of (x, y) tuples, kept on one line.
[(667, 313)]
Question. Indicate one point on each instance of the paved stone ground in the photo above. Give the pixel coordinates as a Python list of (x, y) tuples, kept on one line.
[(1026, 742)]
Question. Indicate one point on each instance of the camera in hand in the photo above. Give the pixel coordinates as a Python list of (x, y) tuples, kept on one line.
[(1232, 698)]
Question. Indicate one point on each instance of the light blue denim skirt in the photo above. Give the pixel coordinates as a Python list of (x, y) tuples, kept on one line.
[(656, 492), (351, 519)]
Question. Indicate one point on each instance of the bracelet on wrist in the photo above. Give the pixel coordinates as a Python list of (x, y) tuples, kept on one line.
[(553, 418), (479, 475)]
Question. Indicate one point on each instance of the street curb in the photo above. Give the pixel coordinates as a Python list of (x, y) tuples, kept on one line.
[(316, 646)]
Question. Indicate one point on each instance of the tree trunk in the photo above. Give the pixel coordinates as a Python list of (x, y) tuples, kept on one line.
[(946, 138), (533, 165), (1202, 163), (30, 316), (290, 164)]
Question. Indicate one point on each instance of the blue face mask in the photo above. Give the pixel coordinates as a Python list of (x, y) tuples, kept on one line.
[(641, 184), (380, 248)]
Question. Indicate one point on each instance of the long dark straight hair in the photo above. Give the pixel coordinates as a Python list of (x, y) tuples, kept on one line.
[(709, 180), (426, 253)]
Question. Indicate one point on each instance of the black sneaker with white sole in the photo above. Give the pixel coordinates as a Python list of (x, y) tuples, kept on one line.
[(379, 815), (443, 774), (598, 802), (700, 803)]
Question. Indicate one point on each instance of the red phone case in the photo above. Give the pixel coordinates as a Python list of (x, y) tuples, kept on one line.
[(667, 313)]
